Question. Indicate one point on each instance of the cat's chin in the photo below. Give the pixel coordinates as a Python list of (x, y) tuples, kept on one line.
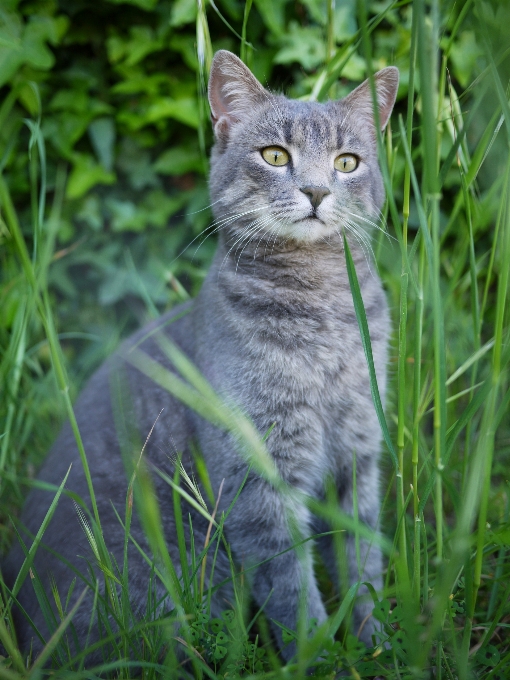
[(307, 230)]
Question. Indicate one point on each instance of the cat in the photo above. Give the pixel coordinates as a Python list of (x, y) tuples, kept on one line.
[(274, 331)]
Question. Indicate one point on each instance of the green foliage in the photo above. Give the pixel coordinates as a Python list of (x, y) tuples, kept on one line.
[(103, 223)]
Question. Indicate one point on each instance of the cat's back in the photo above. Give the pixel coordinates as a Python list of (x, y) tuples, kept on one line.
[(114, 413)]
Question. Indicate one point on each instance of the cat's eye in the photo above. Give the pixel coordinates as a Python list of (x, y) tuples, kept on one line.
[(275, 155), (346, 162)]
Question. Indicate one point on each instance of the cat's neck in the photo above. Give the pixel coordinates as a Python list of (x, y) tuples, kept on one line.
[(311, 265), (286, 252)]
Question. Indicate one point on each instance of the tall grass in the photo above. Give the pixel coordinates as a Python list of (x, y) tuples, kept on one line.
[(445, 612)]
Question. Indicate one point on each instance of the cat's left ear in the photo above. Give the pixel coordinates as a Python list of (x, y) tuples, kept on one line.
[(386, 86), (233, 92)]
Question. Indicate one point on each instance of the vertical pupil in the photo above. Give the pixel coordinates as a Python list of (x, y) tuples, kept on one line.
[(275, 156)]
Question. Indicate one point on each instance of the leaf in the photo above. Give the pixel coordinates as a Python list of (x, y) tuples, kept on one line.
[(381, 611), (85, 174), (217, 626), (178, 160), (26, 44), (229, 617), (186, 46), (154, 210), (183, 12), (219, 652), (317, 10), (273, 14), (501, 537), (345, 25), (464, 54), (304, 45), (141, 42), (288, 636), (102, 135), (488, 656), (183, 110)]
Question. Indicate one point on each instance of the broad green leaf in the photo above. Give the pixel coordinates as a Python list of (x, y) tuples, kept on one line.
[(178, 160), (318, 10), (183, 110), (161, 108), (345, 20), (304, 45), (464, 54), (183, 12), (85, 174), (102, 136), (273, 14)]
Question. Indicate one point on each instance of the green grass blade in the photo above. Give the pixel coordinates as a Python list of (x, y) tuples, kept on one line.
[(361, 316)]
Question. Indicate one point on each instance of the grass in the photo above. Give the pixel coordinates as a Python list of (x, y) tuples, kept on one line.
[(445, 611)]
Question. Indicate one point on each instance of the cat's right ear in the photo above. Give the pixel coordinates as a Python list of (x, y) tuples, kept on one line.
[(233, 92)]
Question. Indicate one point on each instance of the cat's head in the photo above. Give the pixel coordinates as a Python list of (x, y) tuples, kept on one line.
[(294, 170)]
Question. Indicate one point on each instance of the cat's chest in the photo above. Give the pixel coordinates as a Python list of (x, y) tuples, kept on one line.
[(277, 344)]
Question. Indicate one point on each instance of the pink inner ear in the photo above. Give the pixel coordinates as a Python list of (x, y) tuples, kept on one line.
[(360, 99), (217, 99), (233, 89), (387, 87)]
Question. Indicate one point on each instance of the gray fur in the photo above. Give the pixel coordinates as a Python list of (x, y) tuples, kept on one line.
[(274, 330)]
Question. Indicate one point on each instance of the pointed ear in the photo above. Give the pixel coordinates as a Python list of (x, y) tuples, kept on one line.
[(233, 91), (386, 86)]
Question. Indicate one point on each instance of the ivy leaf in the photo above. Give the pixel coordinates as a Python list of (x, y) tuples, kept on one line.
[(85, 174), (273, 15), (141, 42), (304, 45), (178, 160), (183, 12), (26, 44), (102, 135), (345, 20), (183, 110)]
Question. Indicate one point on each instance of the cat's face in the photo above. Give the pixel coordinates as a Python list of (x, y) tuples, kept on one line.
[(290, 170)]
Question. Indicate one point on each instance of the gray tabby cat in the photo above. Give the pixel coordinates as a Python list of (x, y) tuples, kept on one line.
[(274, 330)]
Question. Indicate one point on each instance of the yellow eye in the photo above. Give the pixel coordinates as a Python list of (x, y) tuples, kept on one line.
[(275, 155), (346, 162)]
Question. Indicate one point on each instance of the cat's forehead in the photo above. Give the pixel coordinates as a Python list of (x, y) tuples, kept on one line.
[(310, 124)]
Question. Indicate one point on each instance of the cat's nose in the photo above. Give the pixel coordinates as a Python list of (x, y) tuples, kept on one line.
[(315, 194)]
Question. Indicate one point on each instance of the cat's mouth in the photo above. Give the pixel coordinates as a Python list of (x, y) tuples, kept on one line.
[(313, 216)]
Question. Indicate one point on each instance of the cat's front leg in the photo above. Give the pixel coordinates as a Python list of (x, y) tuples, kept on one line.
[(363, 565), (259, 530)]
